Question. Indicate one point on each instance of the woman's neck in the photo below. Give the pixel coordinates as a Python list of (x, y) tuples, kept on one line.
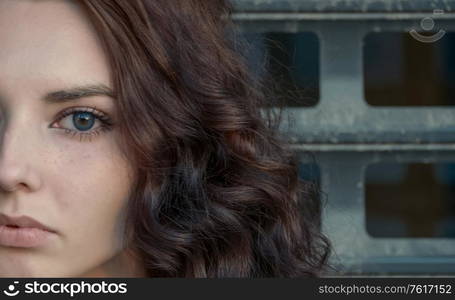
[(122, 265)]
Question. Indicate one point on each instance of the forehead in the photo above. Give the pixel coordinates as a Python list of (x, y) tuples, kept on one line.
[(44, 40)]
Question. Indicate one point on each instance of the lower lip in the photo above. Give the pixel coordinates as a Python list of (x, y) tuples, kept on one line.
[(23, 237)]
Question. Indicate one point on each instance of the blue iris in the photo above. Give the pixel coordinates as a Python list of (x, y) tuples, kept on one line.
[(83, 121)]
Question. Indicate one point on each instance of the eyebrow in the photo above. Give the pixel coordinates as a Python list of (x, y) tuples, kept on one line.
[(78, 92)]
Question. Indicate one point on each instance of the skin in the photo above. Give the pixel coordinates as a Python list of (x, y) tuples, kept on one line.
[(76, 186)]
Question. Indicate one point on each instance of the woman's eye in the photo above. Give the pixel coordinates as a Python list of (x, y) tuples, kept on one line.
[(80, 121), (85, 123)]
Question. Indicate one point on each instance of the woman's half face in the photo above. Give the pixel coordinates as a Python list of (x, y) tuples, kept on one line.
[(59, 158)]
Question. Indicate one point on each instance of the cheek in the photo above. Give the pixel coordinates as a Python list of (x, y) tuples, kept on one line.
[(91, 192)]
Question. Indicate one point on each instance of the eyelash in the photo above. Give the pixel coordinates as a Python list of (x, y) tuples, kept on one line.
[(106, 122)]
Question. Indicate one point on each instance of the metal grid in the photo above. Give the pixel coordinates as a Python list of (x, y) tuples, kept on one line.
[(346, 134)]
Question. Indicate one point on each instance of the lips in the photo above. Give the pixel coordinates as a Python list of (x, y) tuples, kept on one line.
[(23, 222), (24, 232)]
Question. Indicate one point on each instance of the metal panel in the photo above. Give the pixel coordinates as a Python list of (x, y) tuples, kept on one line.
[(347, 134), (344, 5)]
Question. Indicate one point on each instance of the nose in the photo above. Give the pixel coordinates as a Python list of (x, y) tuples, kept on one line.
[(16, 172)]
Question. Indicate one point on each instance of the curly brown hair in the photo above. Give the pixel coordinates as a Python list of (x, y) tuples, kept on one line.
[(217, 191)]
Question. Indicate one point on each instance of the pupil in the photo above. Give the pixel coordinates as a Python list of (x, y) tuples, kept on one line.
[(83, 121)]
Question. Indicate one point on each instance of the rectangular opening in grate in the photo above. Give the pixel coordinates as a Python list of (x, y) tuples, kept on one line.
[(410, 200), (310, 177), (291, 62), (400, 70)]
